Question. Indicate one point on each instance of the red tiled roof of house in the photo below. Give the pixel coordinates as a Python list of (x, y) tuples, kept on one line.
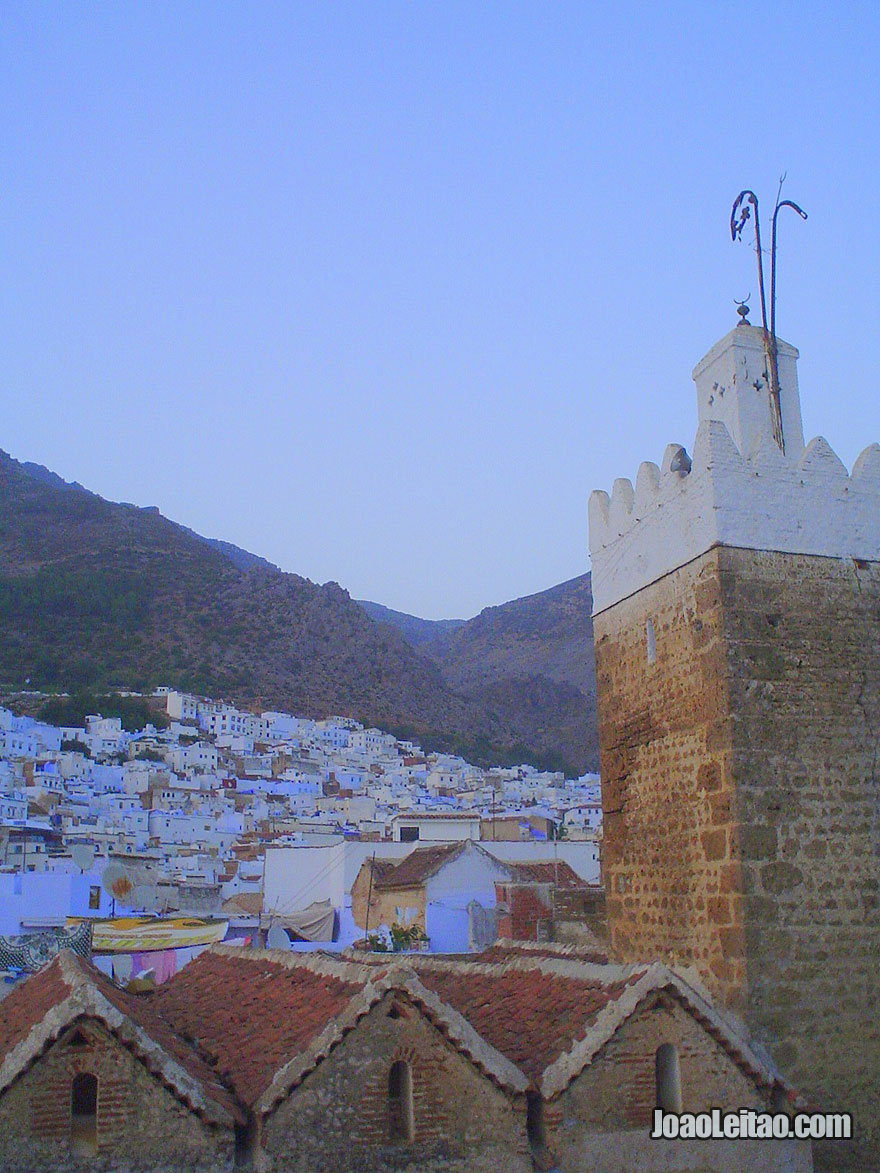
[(419, 865), (530, 1016), (249, 1024), (29, 1003), (251, 1014), (548, 872), (381, 868)]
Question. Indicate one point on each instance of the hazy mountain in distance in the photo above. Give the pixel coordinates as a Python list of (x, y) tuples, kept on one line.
[(416, 631), (530, 661)]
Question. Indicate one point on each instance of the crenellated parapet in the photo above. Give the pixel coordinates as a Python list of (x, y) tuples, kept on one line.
[(802, 501)]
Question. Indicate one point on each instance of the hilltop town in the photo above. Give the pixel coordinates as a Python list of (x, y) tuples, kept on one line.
[(193, 810)]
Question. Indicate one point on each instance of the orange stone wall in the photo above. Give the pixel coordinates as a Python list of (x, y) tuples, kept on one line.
[(741, 787)]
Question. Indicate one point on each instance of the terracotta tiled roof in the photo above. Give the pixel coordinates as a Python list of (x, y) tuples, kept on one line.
[(251, 1014), (424, 862), (248, 903), (254, 1023), (548, 872), (530, 1016), (381, 868), (29, 1003), (419, 865), (69, 978)]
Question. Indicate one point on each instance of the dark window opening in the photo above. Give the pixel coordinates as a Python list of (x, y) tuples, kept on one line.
[(535, 1127), (84, 1114), (409, 834), (668, 1076), (246, 1143), (400, 1103)]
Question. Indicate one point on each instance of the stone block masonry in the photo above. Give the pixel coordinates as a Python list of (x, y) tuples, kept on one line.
[(460, 1120), (737, 635), (740, 784)]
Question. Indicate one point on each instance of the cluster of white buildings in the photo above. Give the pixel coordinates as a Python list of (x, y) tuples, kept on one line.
[(191, 810)]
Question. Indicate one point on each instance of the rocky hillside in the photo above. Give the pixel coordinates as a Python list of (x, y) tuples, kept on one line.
[(97, 595), (415, 631), (529, 661), (547, 635)]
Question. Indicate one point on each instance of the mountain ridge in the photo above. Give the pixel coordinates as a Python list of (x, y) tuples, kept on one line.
[(530, 658), (97, 594)]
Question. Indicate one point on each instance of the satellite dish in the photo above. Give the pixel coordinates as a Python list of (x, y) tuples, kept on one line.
[(116, 881), (122, 966), (142, 896), (112, 872), (278, 938), (138, 873), (83, 855)]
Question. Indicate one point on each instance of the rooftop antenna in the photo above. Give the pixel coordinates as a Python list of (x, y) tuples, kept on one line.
[(740, 214), (370, 896)]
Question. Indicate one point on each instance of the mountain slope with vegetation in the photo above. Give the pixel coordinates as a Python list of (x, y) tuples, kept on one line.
[(529, 661), (532, 661), (96, 595), (415, 631)]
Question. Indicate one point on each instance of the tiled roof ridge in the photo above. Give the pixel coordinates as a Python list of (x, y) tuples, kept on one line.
[(400, 978), (458, 1030), (727, 1030), (656, 977), (576, 968), (85, 998), (544, 948), (296, 1069), (525, 866), (316, 961), (436, 855), (451, 814)]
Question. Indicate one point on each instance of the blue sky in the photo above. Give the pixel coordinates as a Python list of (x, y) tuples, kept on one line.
[(382, 291)]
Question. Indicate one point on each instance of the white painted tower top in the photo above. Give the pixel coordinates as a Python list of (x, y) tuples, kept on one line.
[(739, 489), (733, 386)]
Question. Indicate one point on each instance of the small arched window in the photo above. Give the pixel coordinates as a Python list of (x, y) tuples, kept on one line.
[(535, 1126), (668, 1077), (84, 1114), (400, 1103)]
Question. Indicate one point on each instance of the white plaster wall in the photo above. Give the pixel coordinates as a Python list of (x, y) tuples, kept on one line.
[(439, 830), (295, 877), (803, 502), (732, 384)]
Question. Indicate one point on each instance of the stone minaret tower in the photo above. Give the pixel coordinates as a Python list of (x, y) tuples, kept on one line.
[(737, 634)]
